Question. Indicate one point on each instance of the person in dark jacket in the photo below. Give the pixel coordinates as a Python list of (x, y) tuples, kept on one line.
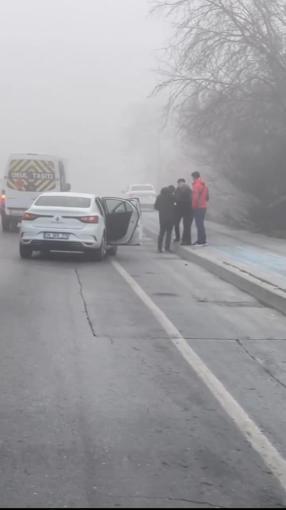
[(183, 211), (165, 205)]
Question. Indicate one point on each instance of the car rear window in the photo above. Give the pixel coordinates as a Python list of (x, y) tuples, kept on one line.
[(58, 201), (144, 187)]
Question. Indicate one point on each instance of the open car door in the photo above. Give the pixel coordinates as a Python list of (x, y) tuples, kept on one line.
[(123, 224), (136, 202)]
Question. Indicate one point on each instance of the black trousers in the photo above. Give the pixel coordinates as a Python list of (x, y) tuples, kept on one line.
[(187, 217), (166, 227)]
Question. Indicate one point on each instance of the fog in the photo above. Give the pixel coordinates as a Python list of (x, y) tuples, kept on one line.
[(72, 74)]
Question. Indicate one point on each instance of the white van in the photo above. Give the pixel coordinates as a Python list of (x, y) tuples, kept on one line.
[(27, 176)]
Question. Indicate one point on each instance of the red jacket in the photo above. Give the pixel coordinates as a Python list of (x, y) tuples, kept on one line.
[(200, 194)]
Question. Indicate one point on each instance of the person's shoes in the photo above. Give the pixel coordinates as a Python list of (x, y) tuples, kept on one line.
[(168, 250), (176, 240), (159, 250)]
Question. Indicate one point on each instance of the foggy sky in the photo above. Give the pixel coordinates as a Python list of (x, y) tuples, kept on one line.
[(69, 71)]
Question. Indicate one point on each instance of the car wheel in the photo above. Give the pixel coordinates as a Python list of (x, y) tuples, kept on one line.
[(112, 251), (25, 251), (100, 253)]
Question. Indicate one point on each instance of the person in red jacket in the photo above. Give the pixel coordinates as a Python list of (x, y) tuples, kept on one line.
[(200, 199)]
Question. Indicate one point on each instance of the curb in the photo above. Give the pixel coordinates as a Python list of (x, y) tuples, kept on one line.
[(265, 292)]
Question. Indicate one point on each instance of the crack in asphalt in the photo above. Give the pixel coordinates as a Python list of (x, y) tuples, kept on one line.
[(85, 307), (260, 363), (230, 339), (162, 498)]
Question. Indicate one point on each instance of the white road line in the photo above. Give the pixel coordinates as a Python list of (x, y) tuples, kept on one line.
[(252, 433)]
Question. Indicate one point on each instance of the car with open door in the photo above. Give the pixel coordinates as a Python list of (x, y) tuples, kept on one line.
[(79, 222)]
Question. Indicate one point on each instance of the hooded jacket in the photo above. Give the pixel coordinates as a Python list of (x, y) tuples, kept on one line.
[(200, 194)]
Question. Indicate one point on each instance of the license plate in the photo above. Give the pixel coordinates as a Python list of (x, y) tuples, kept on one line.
[(56, 235)]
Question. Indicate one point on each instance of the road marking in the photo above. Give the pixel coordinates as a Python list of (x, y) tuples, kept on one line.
[(252, 433)]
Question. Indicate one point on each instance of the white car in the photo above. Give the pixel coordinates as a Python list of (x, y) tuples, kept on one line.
[(146, 194), (79, 222)]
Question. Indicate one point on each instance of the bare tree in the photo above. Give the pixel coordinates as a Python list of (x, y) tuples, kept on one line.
[(223, 46), (225, 72)]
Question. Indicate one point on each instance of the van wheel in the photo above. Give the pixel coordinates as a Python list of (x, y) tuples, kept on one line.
[(25, 251), (45, 253), (5, 223), (14, 226)]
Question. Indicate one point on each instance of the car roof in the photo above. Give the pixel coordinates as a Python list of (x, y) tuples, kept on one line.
[(67, 194), (145, 184)]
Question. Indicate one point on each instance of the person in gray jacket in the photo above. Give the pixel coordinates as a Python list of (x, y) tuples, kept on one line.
[(183, 211)]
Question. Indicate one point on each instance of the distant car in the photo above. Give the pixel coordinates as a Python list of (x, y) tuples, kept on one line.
[(146, 194), (79, 222)]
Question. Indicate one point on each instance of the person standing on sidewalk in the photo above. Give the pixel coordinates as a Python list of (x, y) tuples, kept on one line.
[(165, 205), (200, 199), (183, 211)]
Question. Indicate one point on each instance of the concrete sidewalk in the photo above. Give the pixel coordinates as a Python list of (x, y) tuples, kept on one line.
[(252, 262)]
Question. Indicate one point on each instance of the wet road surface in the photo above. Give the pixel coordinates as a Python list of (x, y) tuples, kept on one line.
[(98, 407)]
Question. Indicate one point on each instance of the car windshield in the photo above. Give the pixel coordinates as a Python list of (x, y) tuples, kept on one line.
[(63, 201), (142, 187)]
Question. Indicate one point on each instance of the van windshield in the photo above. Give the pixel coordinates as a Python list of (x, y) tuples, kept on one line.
[(63, 201)]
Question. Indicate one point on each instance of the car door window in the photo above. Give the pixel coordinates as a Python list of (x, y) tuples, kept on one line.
[(116, 206), (137, 204)]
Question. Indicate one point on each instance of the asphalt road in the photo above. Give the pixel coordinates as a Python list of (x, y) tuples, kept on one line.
[(99, 408)]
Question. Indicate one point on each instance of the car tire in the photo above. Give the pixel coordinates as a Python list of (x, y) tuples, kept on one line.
[(112, 251), (100, 253), (25, 251)]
